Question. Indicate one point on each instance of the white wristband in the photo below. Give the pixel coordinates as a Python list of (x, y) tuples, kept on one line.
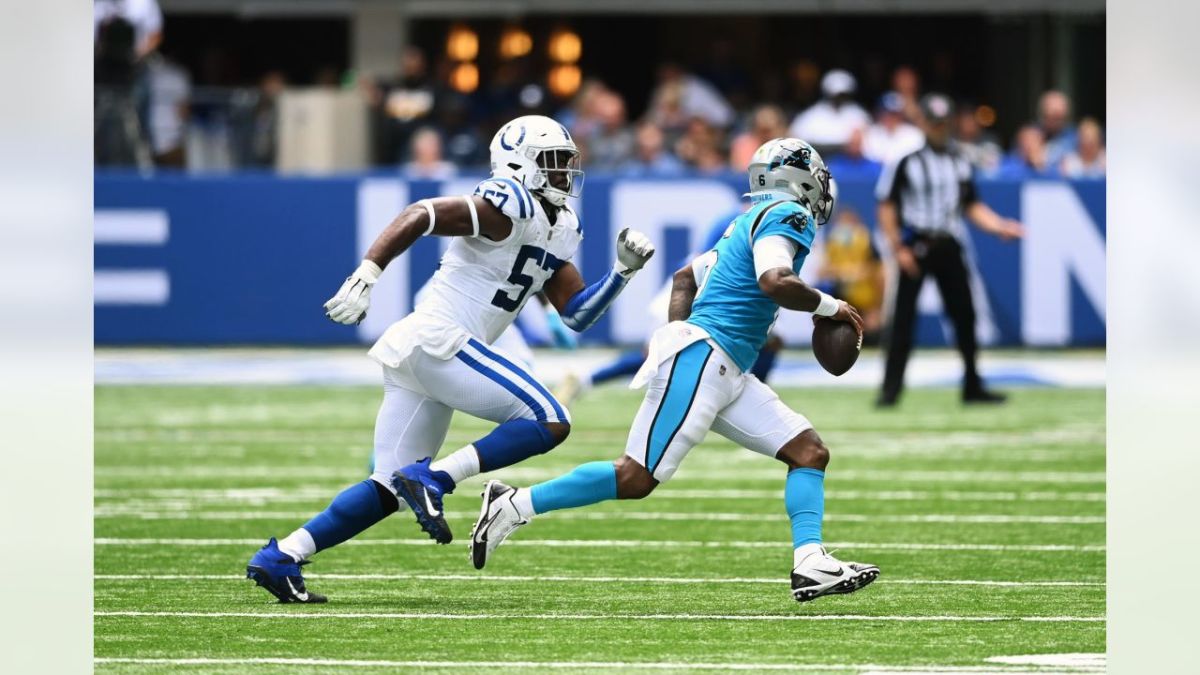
[(368, 272), (432, 216), (474, 215), (828, 306)]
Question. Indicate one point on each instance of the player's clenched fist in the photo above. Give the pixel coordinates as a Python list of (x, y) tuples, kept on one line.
[(633, 250), (349, 304)]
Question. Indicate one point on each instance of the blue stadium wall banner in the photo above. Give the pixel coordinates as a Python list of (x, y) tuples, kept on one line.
[(250, 258)]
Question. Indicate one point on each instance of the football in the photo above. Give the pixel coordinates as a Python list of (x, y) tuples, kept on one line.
[(836, 345)]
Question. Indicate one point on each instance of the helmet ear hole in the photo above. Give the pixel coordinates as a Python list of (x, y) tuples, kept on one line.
[(514, 166)]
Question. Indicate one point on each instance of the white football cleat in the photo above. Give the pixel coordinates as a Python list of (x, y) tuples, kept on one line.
[(570, 388), (498, 518), (819, 574)]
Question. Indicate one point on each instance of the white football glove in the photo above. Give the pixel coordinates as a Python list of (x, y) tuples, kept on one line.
[(349, 305), (633, 250)]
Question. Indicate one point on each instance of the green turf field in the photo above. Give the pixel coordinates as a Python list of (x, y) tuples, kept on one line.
[(988, 524)]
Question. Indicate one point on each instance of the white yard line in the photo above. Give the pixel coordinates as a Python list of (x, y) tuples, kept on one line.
[(932, 518), (578, 665), (542, 473), (598, 616), (593, 580), (630, 543), (264, 495), (529, 473)]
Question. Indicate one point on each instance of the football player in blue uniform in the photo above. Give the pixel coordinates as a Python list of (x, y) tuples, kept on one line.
[(722, 307)]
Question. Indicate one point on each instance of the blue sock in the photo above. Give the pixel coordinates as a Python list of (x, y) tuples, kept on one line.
[(586, 484), (354, 509), (764, 363), (626, 364), (804, 497), (512, 442)]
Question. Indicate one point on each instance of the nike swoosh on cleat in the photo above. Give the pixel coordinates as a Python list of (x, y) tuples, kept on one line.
[(302, 597), (429, 507), (836, 573)]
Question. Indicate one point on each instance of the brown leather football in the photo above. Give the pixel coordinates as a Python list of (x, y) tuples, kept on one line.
[(836, 345)]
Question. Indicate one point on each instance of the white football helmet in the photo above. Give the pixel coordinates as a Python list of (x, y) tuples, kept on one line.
[(794, 167), (538, 152)]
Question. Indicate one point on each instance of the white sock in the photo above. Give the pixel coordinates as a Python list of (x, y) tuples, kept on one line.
[(299, 544), (523, 500), (460, 464), (803, 551)]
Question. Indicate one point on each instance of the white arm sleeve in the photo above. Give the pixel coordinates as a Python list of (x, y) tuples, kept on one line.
[(773, 251)]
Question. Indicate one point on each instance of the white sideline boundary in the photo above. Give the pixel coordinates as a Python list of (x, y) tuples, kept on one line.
[(934, 518), (598, 616), (593, 580), (632, 543), (584, 665)]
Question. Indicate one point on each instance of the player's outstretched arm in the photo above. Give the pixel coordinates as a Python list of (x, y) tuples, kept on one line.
[(580, 305), (446, 216)]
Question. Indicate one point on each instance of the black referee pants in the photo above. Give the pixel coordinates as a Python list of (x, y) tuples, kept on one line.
[(942, 258)]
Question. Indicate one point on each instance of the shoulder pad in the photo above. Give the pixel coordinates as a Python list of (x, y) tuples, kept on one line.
[(510, 197), (780, 215)]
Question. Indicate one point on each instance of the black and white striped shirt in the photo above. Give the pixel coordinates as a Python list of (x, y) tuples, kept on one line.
[(930, 189)]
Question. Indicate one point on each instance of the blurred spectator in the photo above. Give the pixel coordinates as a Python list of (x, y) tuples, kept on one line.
[(700, 147), (464, 146), (265, 127), (681, 96), (650, 157), (1088, 159), (850, 163), (610, 142), (580, 115), (427, 162), (170, 87), (827, 125), (723, 71), (125, 32), (974, 142), (1028, 156), (401, 105), (327, 76), (766, 123), (805, 79), (891, 137), (1054, 119), (907, 83), (851, 268)]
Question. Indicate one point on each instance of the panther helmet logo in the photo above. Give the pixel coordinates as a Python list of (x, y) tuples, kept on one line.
[(799, 221), (800, 158)]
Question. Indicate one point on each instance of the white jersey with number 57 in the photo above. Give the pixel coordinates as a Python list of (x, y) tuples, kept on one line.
[(481, 285)]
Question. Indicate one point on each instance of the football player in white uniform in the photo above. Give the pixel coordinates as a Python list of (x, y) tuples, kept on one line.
[(514, 237)]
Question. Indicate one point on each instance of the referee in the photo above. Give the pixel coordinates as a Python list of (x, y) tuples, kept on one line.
[(922, 199)]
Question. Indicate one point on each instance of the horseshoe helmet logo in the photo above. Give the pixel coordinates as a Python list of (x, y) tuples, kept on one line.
[(504, 137)]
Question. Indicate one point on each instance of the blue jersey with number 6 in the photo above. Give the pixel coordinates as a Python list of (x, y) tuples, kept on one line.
[(729, 304)]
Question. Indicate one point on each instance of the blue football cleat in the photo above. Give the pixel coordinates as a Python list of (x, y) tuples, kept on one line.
[(277, 572), (423, 492)]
